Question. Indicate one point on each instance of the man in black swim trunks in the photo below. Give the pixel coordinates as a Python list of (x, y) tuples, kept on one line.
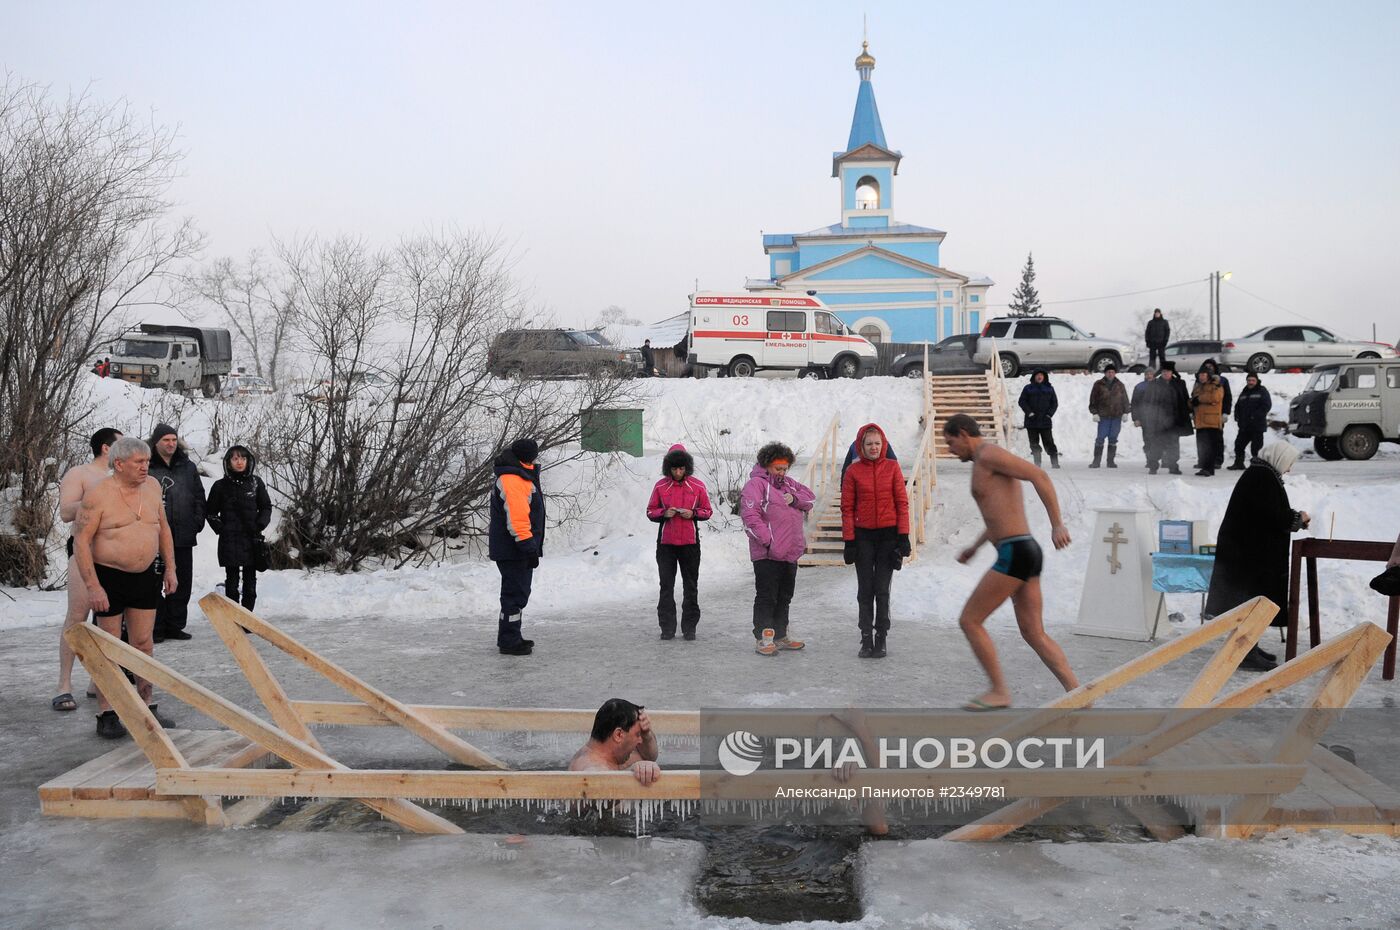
[(996, 487), (120, 530)]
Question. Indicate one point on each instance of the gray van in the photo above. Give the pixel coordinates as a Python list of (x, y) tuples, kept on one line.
[(1349, 409)]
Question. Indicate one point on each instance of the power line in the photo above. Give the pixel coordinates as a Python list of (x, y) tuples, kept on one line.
[(1266, 300), (1150, 290)]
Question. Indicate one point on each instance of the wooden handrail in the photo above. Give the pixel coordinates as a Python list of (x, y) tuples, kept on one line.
[(822, 465)]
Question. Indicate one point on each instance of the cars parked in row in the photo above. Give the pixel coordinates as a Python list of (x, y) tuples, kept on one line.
[(1188, 354), (242, 386), (1025, 343), (1292, 346), (558, 353)]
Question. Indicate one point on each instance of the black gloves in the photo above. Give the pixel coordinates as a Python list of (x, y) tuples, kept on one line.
[(848, 552), (903, 547), (534, 561)]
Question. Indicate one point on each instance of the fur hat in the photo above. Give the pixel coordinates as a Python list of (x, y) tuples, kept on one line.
[(677, 457), (525, 450)]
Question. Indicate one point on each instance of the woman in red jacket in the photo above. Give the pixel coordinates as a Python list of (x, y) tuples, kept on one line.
[(875, 528)]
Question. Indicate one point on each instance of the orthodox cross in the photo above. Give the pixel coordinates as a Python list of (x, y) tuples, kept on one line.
[(1116, 538)]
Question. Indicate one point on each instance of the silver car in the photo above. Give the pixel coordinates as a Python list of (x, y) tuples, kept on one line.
[(1296, 347), (1029, 342)]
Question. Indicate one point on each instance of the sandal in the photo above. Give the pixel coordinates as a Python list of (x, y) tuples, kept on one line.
[(64, 702), (977, 705)]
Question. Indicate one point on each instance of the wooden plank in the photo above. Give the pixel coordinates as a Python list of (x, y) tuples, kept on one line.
[(686, 784), (120, 810), (265, 684), (454, 747), (231, 715), (61, 788), (136, 781), (145, 731), (492, 719), (213, 746), (246, 811), (1385, 798), (1258, 614), (251, 754)]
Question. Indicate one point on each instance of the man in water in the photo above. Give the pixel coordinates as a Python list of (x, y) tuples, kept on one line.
[(621, 739), (996, 487), (120, 530)]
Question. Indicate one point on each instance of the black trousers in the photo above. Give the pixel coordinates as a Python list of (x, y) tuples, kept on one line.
[(249, 587), (1156, 355), (1210, 448), (773, 583), (687, 559), (516, 577), (1045, 436), (1254, 439), (1162, 448), (173, 612), (876, 558)]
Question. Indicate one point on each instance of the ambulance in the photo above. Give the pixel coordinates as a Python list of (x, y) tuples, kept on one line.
[(741, 334)]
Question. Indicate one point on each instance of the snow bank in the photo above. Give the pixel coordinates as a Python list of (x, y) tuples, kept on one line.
[(604, 556)]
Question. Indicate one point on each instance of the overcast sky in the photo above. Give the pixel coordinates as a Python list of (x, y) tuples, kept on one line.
[(626, 151)]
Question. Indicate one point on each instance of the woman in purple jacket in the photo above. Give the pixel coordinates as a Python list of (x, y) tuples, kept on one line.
[(774, 507), (678, 502)]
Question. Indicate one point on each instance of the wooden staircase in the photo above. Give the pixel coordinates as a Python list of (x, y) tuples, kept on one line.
[(982, 397), (824, 545)]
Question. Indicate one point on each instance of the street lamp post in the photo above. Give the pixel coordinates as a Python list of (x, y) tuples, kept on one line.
[(1216, 331)]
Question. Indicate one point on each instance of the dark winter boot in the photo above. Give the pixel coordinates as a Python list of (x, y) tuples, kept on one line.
[(879, 651), (1112, 451), (1054, 460), (1035, 454), (108, 726), (508, 638), (1254, 661), (1239, 464), (165, 722), (1098, 455), (867, 647)]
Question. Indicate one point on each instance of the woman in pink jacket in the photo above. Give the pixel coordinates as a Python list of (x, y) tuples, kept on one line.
[(677, 503), (773, 507)]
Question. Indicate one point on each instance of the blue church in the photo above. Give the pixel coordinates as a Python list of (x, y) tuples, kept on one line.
[(881, 276)]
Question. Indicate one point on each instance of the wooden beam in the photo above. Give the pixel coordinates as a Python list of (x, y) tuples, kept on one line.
[(433, 734), (489, 719), (231, 715), (710, 785), (170, 809), (265, 684)]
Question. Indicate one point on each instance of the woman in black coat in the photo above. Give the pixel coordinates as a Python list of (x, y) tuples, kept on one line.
[(1251, 550), (239, 510), (1039, 402)]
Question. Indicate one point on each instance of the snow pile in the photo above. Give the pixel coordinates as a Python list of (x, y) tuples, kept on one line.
[(604, 554)]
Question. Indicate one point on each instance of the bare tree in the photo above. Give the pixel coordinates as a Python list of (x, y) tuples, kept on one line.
[(83, 238), (1186, 324), (254, 303), (398, 444)]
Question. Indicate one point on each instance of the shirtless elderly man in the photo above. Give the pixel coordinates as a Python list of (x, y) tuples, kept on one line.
[(75, 485), (996, 487), (120, 529), (621, 739)]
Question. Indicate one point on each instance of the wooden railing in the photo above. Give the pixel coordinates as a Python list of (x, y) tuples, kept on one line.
[(922, 476), (822, 466), (1001, 400)]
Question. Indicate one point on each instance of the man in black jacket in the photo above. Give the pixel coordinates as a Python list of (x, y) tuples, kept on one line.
[(1166, 417), (1158, 334), (184, 511), (1252, 417), (516, 538)]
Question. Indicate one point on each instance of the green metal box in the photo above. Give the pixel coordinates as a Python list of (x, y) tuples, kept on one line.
[(618, 430)]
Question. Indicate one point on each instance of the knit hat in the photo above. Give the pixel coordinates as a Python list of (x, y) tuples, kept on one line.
[(525, 450), (162, 430), (1110, 367), (1168, 366)]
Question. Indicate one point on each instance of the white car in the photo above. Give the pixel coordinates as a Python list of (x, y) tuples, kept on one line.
[(238, 387), (1296, 347)]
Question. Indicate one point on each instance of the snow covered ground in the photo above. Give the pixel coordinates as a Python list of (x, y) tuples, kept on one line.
[(426, 635)]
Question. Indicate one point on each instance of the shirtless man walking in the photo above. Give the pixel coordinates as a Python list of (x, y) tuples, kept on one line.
[(121, 528), (621, 739), (996, 487), (71, 490)]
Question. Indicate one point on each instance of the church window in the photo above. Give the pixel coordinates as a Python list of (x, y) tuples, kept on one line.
[(867, 194), (975, 298), (871, 333), (947, 295)]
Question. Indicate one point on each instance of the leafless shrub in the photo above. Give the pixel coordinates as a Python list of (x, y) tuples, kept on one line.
[(254, 302), (83, 205), (378, 471)]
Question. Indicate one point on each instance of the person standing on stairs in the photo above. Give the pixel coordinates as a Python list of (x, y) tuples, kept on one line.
[(1039, 402), (1108, 402), (875, 533)]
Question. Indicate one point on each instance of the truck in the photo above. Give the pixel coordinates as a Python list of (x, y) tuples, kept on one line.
[(1348, 410), (741, 334), (177, 358)]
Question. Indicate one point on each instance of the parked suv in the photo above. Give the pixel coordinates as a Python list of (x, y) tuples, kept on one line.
[(1028, 342), (1296, 347), (1188, 354), (952, 356), (1349, 409), (557, 353)]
